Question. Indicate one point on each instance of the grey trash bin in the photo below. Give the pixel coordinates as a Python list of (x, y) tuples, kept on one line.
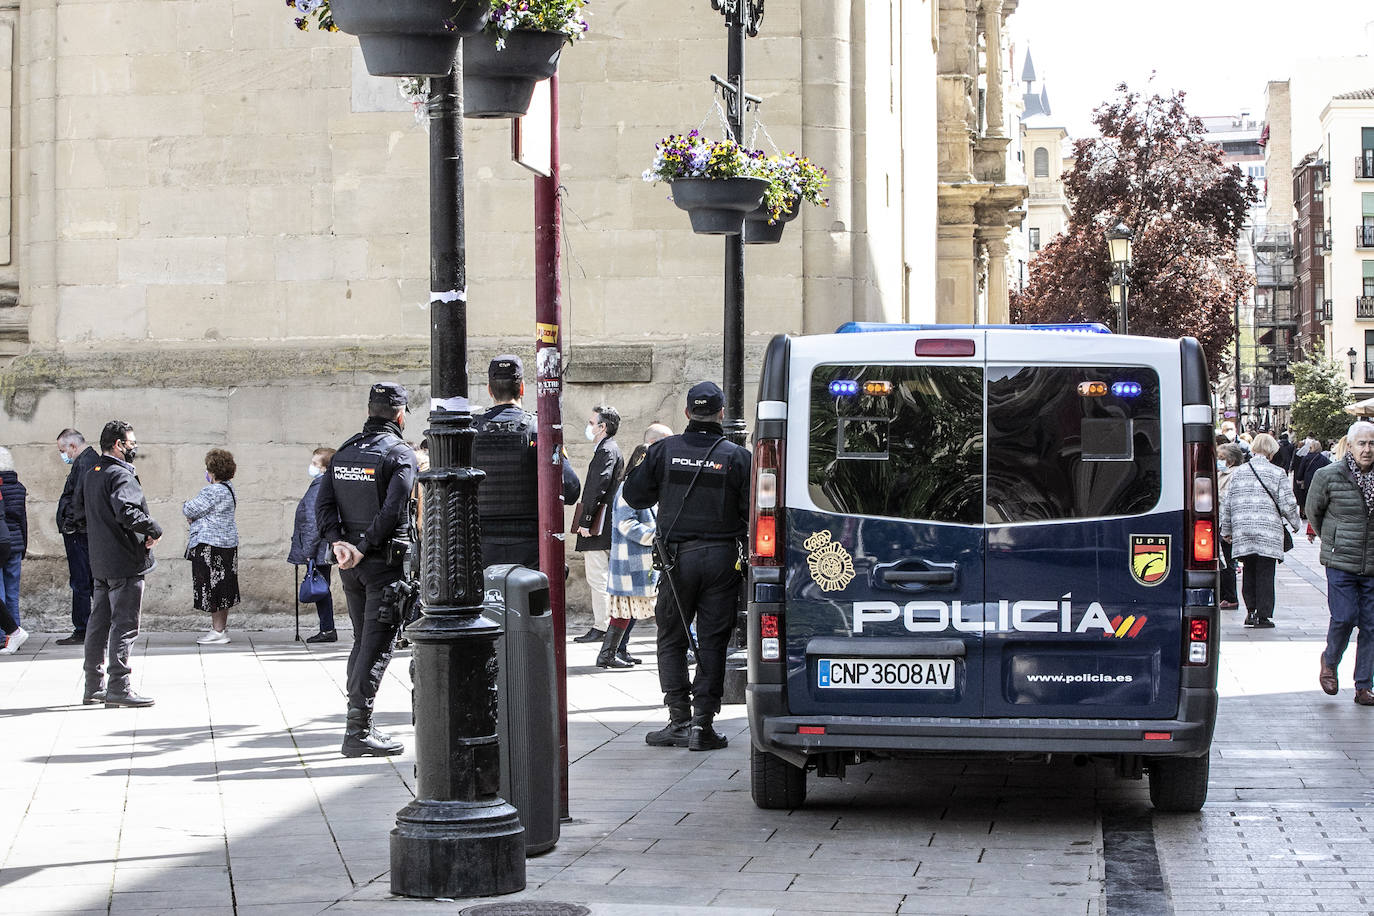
[(527, 700)]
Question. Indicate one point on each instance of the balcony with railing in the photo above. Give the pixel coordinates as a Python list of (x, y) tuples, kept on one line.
[(1324, 240), (1273, 357), (1279, 274), (1324, 310), (1364, 308), (1364, 165), (1270, 314), (1364, 236)]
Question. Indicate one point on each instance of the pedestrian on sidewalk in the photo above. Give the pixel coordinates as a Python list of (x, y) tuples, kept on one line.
[(1229, 457), (1258, 505), (71, 445), (308, 547), (1303, 470), (122, 536), (700, 481), (213, 545), (363, 512), (632, 582), (15, 495), (1340, 507), (593, 522), (15, 635)]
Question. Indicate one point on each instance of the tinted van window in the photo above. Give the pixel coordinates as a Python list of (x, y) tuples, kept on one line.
[(1071, 442), (898, 441)]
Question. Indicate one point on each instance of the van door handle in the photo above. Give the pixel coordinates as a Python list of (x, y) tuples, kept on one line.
[(930, 577)]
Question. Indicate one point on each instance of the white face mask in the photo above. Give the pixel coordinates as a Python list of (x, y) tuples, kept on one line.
[(590, 433), (315, 470)]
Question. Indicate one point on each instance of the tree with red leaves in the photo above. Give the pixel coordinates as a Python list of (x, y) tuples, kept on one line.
[(1153, 170)]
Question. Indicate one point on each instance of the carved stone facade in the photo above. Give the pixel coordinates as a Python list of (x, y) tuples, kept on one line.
[(977, 204)]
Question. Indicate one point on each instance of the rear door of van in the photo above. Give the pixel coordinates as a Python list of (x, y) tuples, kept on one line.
[(1085, 524), (884, 543)]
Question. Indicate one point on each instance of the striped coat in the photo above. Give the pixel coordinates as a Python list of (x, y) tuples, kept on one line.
[(632, 571), (1248, 516)]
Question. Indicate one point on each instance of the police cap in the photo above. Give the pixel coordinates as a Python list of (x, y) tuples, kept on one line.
[(388, 394), (506, 367), (705, 397)]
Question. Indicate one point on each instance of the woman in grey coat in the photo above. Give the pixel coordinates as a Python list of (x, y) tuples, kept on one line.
[(1259, 504)]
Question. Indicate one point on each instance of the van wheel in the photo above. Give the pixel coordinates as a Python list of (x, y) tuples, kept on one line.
[(774, 782), (1178, 784)]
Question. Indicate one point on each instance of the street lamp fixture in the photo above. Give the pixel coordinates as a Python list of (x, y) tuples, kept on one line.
[(1119, 240), (1353, 357)]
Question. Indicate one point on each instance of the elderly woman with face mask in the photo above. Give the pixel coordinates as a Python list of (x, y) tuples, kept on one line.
[(1340, 508), (1257, 506)]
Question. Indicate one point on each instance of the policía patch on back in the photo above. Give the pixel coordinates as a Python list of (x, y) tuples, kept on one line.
[(1150, 558), (830, 564)]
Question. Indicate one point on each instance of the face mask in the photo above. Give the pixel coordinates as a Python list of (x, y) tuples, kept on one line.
[(130, 453), (315, 470), (590, 433), (66, 459), (1221, 465)]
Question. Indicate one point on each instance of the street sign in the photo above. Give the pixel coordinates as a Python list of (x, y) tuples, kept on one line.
[(531, 134), (1281, 395)]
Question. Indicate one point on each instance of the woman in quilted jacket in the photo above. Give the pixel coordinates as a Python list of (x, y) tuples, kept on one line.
[(1259, 504)]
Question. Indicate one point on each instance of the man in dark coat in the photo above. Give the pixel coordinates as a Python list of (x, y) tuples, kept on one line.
[(593, 526), (71, 445), (1284, 457), (1340, 508), (121, 534)]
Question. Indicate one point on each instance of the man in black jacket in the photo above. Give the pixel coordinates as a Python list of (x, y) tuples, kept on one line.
[(593, 526), (71, 445), (507, 449), (121, 535), (700, 481), (363, 511)]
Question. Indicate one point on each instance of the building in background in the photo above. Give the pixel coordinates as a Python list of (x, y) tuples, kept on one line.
[(216, 226), (1347, 125), (1047, 154)]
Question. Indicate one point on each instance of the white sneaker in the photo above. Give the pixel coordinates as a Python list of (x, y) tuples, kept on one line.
[(214, 638), (16, 639)]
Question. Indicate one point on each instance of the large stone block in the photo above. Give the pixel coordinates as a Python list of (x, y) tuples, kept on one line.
[(253, 258), (96, 313), (190, 213), (171, 260), (96, 261), (189, 312), (102, 164), (96, 75), (106, 117), (162, 420), (98, 214), (133, 27), (34, 416)]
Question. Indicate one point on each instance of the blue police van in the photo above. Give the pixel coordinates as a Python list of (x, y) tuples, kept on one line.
[(983, 540)]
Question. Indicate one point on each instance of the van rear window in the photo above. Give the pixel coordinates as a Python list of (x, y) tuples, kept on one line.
[(909, 442)]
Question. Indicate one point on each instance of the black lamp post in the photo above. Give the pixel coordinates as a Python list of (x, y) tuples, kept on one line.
[(1353, 357), (458, 838), (1119, 245), (742, 18)]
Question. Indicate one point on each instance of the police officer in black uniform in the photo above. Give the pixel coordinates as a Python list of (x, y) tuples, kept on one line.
[(363, 512), (507, 450), (700, 481)]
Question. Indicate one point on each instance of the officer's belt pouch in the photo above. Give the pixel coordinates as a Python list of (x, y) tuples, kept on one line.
[(396, 551)]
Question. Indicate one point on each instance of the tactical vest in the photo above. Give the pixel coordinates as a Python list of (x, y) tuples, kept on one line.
[(692, 500), (506, 450), (359, 488)]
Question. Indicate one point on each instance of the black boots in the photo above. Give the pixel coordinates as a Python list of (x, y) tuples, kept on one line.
[(674, 734), (702, 735), (362, 740), (609, 656)]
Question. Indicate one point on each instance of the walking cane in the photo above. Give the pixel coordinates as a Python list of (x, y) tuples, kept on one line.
[(298, 601)]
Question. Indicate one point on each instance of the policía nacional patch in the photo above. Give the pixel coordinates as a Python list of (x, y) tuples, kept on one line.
[(1150, 558), (830, 564)]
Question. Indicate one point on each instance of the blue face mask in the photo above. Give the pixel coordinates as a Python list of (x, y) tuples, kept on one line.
[(1221, 465), (66, 459), (208, 478)]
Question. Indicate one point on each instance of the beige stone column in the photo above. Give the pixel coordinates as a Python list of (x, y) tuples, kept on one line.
[(994, 240), (991, 14), (956, 288), (954, 111), (827, 129), (34, 238)]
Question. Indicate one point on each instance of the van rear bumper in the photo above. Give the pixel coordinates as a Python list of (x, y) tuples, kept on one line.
[(773, 730)]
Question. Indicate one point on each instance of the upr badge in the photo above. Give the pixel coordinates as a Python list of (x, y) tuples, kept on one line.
[(1150, 558), (831, 566)]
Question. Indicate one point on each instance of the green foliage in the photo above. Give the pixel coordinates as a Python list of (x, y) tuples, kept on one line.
[(1321, 392)]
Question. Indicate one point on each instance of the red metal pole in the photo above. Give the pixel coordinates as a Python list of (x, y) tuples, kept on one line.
[(548, 350)]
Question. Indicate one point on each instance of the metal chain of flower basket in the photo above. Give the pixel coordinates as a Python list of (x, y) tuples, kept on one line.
[(719, 112)]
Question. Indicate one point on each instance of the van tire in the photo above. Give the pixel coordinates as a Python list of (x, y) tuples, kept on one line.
[(775, 783), (1179, 784)]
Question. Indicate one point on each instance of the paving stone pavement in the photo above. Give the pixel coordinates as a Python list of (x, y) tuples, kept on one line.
[(229, 796)]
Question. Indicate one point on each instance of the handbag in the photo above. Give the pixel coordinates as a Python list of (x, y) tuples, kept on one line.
[(314, 586), (1287, 537)]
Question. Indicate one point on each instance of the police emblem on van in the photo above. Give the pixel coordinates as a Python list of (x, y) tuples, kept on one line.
[(1150, 558), (831, 566)]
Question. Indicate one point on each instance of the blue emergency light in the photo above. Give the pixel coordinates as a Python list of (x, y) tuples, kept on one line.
[(1126, 389), (842, 387)]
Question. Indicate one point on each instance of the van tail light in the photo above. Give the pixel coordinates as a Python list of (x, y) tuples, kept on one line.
[(1200, 460), (770, 646), (1197, 641), (766, 521)]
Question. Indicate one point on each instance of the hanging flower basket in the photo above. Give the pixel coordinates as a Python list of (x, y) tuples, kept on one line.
[(409, 37), (499, 82), (761, 229), (717, 206)]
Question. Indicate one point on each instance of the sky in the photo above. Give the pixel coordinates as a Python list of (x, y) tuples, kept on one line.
[(1221, 52)]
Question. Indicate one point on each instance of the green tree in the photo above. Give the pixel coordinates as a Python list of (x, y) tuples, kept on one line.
[(1320, 393)]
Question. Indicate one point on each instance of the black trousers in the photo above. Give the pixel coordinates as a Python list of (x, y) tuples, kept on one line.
[(1228, 573), (523, 551), (372, 640), (1257, 585), (79, 577), (702, 586)]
